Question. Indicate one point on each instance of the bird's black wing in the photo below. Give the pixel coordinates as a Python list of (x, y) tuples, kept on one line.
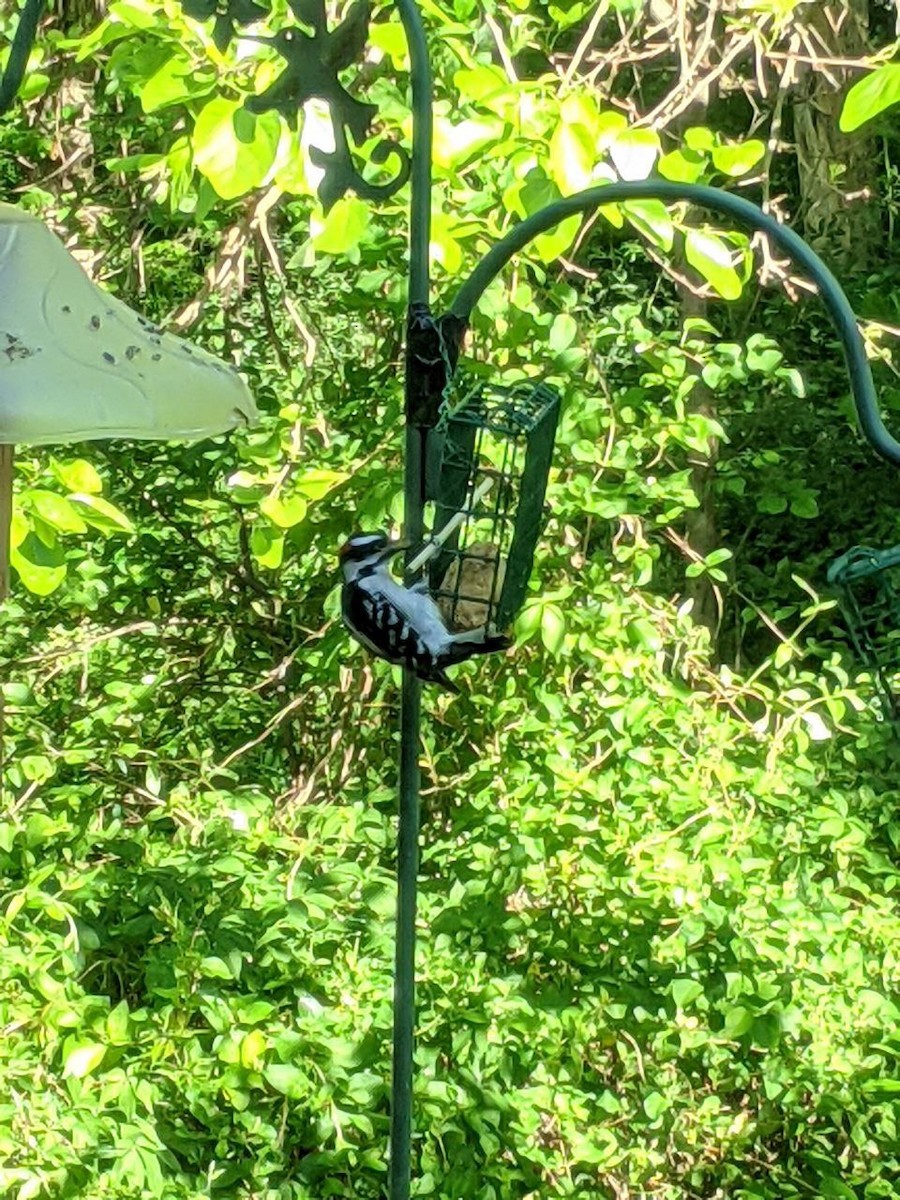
[(382, 626)]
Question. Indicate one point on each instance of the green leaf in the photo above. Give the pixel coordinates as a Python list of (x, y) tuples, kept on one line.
[(246, 487), (870, 96), (528, 622), (84, 1059), (610, 126), (529, 194), (655, 1104), (253, 1047), (633, 152), (267, 547), (234, 149), (41, 568), (34, 85), (563, 332), (549, 246), (783, 654), (252, 1012), (772, 502), (738, 1021), (612, 213), (480, 83), (290, 1081), (388, 37), (173, 82), (794, 380), (739, 158), (457, 142), (56, 511), (117, 1024), (700, 139), (318, 482), (765, 360), (343, 227), (651, 218), (36, 767), (553, 627), (572, 158), (101, 514), (710, 255), (135, 16), (882, 1089), (685, 991), (78, 475), (682, 166), (445, 249), (766, 1030), (804, 504), (284, 511), (835, 1189), (214, 967), (580, 108)]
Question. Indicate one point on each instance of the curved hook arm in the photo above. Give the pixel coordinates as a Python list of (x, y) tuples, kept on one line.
[(862, 384), (26, 31)]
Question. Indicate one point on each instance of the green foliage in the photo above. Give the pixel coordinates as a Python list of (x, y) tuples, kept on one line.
[(658, 918), (45, 520), (871, 96)]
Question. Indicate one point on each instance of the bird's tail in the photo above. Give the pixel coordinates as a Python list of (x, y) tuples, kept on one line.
[(468, 645)]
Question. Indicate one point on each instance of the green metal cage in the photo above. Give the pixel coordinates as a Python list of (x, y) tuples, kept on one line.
[(867, 583), (490, 460)]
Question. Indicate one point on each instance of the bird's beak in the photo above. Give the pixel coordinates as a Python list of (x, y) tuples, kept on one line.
[(393, 549)]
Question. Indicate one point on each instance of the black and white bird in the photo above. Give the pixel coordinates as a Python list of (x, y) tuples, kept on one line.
[(401, 624)]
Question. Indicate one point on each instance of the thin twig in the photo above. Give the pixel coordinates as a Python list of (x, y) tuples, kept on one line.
[(502, 49), (670, 108), (279, 718), (277, 343), (854, 64), (585, 44), (261, 223)]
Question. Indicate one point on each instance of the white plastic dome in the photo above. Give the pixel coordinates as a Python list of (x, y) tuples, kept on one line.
[(78, 364)]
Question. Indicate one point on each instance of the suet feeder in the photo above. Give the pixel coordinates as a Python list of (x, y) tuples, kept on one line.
[(490, 460), (867, 583)]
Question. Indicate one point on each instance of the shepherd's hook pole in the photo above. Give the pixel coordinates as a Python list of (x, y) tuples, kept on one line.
[(400, 1166)]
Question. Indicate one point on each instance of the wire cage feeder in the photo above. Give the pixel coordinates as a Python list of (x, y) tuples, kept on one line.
[(489, 462), (867, 582)]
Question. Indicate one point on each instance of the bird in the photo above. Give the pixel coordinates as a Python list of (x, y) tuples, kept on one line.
[(472, 586), (401, 624)]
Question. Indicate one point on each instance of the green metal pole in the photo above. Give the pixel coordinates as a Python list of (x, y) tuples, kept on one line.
[(17, 62), (420, 174), (837, 304), (400, 1168), (407, 877)]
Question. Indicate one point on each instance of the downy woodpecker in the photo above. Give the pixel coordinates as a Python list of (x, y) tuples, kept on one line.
[(401, 624)]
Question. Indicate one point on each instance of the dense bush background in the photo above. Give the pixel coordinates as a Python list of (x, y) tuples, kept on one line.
[(660, 848)]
